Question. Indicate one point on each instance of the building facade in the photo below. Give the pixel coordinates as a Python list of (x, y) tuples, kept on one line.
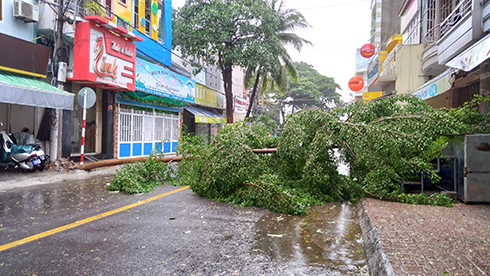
[(454, 37), (437, 53), (27, 92)]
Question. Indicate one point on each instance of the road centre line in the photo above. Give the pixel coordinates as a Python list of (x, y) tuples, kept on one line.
[(83, 221)]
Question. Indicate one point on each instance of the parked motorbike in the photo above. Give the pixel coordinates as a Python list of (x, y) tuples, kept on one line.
[(26, 157)]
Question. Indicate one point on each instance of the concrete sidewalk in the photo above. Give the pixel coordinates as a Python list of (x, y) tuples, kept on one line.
[(406, 239), (18, 179)]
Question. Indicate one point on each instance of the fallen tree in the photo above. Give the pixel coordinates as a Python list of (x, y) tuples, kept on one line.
[(382, 142)]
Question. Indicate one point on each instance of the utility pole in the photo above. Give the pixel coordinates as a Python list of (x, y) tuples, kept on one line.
[(54, 151)]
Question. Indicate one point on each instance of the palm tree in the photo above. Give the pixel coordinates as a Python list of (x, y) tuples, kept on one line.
[(276, 66)]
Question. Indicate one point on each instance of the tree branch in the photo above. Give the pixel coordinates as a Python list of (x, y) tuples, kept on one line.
[(400, 117), (252, 184)]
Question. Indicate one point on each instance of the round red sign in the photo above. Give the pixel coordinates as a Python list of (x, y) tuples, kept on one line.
[(367, 50), (356, 83)]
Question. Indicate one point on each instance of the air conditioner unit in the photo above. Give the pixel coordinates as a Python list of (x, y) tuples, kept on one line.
[(25, 11)]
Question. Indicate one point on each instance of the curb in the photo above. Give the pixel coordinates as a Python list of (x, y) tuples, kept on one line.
[(15, 180), (378, 262)]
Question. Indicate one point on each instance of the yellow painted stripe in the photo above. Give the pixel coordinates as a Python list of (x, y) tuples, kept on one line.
[(83, 221), (23, 72)]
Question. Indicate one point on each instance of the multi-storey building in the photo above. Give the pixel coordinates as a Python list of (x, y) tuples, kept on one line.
[(393, 69), (456, 46), (438, 53), (26, 89), (122, 51)]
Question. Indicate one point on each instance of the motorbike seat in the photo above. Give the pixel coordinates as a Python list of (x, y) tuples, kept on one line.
[(36, 146)]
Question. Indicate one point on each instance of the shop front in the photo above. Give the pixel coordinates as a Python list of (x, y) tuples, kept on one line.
[(146, 123), (149, 118), (472, 73), (25, 94), (205, 117), (104, 58)]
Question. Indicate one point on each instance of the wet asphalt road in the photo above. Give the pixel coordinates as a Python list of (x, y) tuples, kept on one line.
[(178, 234)]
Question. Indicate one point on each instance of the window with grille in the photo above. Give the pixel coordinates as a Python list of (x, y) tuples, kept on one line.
[(159, 128), (137, 128), (412, 35), (125, 127), (135, 14), (148, 125), (430, 35), (175, 129), (148, 17), (108, 6), (167, 129), (161, 21)]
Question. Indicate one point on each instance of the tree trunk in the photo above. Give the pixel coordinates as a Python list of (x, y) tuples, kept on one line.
[(252, 98), (228, 83)]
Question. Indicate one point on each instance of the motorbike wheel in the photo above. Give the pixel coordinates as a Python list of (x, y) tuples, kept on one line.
[(42, 165), (31, 166)]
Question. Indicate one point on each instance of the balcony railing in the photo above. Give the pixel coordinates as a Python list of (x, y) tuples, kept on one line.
[(431, 36), (462, 10), (388, 65)]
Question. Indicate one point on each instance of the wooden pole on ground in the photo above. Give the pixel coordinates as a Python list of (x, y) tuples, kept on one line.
[(115, 162)]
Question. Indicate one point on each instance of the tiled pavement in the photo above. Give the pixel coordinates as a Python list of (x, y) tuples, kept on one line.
[(406, 239)]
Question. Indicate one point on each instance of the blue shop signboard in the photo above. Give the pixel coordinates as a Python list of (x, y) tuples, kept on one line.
[(156, 80), (436, 86)]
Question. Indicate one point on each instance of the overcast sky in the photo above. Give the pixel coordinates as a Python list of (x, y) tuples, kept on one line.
[(338, 28)]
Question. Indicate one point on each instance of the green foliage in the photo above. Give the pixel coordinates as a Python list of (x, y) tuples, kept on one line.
[(474, 121), (311, 90), (93, 8), (267, 121), (274, 67), (141, 177), (383, 142), (433, 199), (227, 33)]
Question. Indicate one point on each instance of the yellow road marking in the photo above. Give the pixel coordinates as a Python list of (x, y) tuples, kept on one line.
[(83, 221)]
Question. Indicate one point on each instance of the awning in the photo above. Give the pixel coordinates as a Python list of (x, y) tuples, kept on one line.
[(25, 90), (435, 86), (206, 116), (473, 56)]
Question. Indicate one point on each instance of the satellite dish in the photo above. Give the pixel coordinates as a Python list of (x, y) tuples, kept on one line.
[(90, 97)]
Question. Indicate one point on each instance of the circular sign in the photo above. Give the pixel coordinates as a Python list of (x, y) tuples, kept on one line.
[(356, 83), (154, 8), (367, 50), (90, 97)]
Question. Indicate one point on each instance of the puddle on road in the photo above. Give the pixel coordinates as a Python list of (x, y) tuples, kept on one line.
[(329, 236), (54, 198)]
